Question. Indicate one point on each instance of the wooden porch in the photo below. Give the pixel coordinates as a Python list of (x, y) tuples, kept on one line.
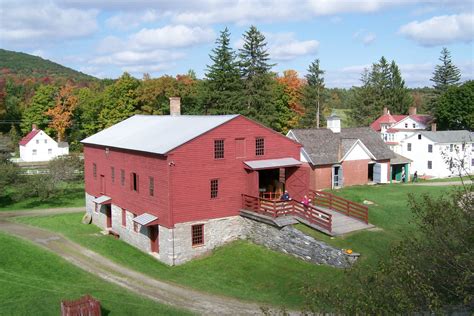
[(328, 213)]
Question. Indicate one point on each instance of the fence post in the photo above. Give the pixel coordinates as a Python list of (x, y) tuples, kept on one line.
[(348, 208), (330, 201)]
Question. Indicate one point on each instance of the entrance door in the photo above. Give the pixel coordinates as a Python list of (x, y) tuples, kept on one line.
[(108, 214), (297, 181), (337, 177), (102, 184), (154, 241)]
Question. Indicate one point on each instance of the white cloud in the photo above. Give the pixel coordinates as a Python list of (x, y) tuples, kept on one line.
[(441, 30), (33, 22), (284, 46), (130, 20), (134, 58), (172, 36), (365, 37)]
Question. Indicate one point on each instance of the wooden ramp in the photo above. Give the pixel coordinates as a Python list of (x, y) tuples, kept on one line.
[(282, 213)]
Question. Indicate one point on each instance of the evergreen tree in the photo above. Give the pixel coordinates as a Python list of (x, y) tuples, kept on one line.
[(42, 101), (257, 79), (223, 78), (312, 95), (120, 101), (446, 74), (363, 99), (400, 98), (455, 108)]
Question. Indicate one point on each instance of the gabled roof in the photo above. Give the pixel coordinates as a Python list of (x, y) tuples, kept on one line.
[(448, 136), (156, 133), (388, 118), (25, 140), (323, 147)]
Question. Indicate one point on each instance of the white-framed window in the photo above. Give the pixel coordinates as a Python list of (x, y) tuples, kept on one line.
[(50, 151), (406, 125), (37, 141), (430, 148), (430, 164), (408, 146), (451, 147), (35, 152), (45, 141), (414, 125)]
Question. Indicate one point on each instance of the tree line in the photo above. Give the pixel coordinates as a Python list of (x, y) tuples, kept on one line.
[(236, 81)]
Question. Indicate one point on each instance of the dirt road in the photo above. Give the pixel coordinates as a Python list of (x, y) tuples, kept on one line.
[(163, 292)]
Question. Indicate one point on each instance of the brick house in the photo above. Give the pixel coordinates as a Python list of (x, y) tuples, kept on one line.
[(172, 185), (343, 156)]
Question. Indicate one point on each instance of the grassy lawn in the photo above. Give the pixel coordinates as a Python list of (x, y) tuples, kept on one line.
[(251, 272), (71, 196), (240, 269), (451, 179), (34, 281)]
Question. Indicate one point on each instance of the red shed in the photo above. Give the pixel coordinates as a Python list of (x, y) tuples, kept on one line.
[(172, 185)]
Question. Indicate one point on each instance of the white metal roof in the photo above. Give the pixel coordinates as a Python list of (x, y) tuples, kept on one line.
[(103, 199), (156, 133), (145, 219), (272, 163)]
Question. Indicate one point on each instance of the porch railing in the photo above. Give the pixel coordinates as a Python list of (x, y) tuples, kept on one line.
[(277, 208), (339, 204)]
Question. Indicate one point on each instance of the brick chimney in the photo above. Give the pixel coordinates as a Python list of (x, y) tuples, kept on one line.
[(175, 106), (412, 110), (34, 127), (433, 127), (385, 111)]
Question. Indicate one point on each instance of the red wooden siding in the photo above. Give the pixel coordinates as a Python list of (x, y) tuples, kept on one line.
[(182, 178), (195, 166), (144, 165)]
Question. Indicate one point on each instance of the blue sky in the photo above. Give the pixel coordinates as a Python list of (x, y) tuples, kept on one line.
[(105, 38)]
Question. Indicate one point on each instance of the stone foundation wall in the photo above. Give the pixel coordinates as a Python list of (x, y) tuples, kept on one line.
[(292, 241), (175, 245)]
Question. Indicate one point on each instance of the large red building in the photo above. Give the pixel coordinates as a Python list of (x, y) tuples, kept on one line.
[(172, 185)]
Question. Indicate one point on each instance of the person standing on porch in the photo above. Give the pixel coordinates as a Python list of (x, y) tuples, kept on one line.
[(285, 196), (305, 201)]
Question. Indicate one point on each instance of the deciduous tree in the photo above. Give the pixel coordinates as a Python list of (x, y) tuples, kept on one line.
[(455, 107), (61, 114), (35, 113)]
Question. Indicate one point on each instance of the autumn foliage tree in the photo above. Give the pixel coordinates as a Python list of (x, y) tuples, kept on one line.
[(61, 113), (293, 89)]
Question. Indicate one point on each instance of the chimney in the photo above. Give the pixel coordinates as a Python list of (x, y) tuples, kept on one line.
[(412, 110), (385, 110), (433, 127), (33, 127), (175, 106), (334, 123)]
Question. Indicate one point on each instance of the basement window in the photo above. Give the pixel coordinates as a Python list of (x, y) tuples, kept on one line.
[(134, 182), (197, 232), (94, 170), (214, 188), (124, 218), (218, 149), (259, 146)]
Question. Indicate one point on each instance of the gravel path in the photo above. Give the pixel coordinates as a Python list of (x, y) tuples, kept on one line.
[(92, 262)]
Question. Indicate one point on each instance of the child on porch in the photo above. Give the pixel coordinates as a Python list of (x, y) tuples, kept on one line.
[(285, 196), (306, 201)]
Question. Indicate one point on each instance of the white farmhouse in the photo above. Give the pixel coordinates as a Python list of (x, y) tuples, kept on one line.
[(395, 128), (38, 146), (435, 153)]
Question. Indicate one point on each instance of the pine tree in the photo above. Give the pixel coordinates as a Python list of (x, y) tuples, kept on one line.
[(400, 98), (363, 100), (312, 95), (446, 74), (223, 78), (257, 79)]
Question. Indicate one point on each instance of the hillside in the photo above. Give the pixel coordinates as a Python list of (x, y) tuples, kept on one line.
[(33, 66)]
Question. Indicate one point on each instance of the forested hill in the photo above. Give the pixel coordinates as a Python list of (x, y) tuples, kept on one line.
[(25, 65)]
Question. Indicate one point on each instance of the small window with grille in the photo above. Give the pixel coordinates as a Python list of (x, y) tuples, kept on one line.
[(112, 173), (259, 146), (94, 170), (218, 149), (122, 177), (214, 188), (197, 234), (152, 186)]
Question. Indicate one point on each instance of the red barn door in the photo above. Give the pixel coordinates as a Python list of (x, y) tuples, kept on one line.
[(297, 182)]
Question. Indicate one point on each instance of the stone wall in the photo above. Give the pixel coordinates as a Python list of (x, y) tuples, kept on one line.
[(292, 241)]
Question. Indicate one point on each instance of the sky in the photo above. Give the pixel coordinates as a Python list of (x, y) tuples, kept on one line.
[(105, 38)]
